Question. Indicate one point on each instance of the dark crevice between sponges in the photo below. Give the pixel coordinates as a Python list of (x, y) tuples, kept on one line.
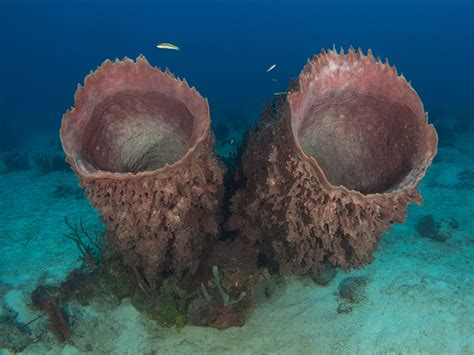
[(232, 183)]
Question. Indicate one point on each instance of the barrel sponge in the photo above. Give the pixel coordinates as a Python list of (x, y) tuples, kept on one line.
[(332, 164), (139, 140)]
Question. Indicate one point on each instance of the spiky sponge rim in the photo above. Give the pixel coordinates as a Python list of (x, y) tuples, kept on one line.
[(330, 71), (112, 77)]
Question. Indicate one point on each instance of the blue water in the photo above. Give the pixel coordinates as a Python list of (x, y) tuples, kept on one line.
[(48, 47), (419, 289)]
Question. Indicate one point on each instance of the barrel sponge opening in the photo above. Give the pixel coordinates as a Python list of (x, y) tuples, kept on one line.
[(361, 123), (132, 118), (134, 131), (363, 142)]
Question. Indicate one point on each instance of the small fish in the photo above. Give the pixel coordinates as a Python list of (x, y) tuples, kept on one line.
[(274, 79), (271, 67), (167, 46), (230, 141), (280, 93)]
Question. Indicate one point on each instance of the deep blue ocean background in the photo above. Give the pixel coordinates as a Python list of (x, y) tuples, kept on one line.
[(48, 47), (416, 297)]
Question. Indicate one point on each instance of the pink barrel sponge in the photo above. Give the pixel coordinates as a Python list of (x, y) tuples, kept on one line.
[(334, 163), (139, 140)]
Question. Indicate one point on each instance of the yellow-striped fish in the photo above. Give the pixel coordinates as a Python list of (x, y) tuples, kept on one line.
[(271, 67), (167, 46)]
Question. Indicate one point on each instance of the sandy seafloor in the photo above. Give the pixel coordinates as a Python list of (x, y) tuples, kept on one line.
[(419, 299)]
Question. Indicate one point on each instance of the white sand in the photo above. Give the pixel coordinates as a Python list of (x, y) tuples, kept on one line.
[(420, 298)]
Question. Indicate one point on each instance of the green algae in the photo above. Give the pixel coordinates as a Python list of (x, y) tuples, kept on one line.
[(171, 307)]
